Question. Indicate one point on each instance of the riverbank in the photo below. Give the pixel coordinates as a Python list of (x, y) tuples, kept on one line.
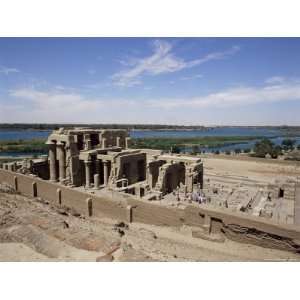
[(221, 139), (165, 143), (37, 146)]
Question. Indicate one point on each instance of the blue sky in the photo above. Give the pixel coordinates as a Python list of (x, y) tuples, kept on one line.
[(209, 81)]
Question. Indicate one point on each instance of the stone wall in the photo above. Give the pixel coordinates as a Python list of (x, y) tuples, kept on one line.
[(236, 226), (128, 165), (111, 136)]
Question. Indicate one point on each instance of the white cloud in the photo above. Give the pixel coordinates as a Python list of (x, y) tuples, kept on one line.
[(7, 71), (61, 105), (275, 80), (162, 61), (239, 96), (197, 76)]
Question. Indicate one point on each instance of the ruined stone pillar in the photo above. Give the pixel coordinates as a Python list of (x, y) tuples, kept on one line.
[(88, 142), (58, 193), (97, 164), (52, 161), (16, 183), (105, 172), (87, 173), (201, 179), (89, 203), (129, 213), (34, 189), (96, 181), (61, 161), (103, 142), (118, 141), (207, 223), (123, 183), (127, 142), (189, 180)]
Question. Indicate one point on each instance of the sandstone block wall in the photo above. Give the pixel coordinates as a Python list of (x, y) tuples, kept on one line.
[(236, 226)]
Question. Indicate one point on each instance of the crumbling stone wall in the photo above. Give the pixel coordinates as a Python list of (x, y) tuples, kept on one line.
[(111, 136), (171, 175), (153, 172), (234, 226), (132, 166)]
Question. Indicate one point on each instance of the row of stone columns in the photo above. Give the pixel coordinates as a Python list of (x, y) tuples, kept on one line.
[(57, 149), (118, 142), (88, 164)]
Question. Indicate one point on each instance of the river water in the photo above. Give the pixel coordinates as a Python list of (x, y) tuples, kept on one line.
[(274, 134)]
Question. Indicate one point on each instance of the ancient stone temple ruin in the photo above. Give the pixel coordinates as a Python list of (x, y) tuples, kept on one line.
[(95, 173), (99, 159)]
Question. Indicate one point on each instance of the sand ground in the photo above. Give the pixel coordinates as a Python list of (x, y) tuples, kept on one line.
[(262, 170)]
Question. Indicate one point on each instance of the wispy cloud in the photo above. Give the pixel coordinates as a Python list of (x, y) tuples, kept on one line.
[(7, 71), (240, 96), (197, 76), (275, 80), (163, 60), (62, 105), (58, 105)]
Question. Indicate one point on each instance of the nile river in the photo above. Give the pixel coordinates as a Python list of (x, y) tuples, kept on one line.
[(274, 134)]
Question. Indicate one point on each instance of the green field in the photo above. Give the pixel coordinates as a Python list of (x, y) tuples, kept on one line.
[(23, 146), (38, 145), (208, 142)]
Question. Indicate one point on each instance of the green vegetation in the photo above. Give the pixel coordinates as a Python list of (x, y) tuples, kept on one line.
[(195, 150), (193, 142), (237, 151), (169, 144), (24, 146), (264, 147), (175, 149), (288, 144)]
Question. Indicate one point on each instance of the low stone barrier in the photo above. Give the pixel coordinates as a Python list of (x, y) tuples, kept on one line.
[(236, 226)]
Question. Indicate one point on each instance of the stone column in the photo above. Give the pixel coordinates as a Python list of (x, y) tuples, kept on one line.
[(129, 214), (201, 179), (97, 162), (87, 142), (96, 181), (61, 161), (52, 161), (118, 141), (87, 173), (103, 143), (127, 142), (105, 172)]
